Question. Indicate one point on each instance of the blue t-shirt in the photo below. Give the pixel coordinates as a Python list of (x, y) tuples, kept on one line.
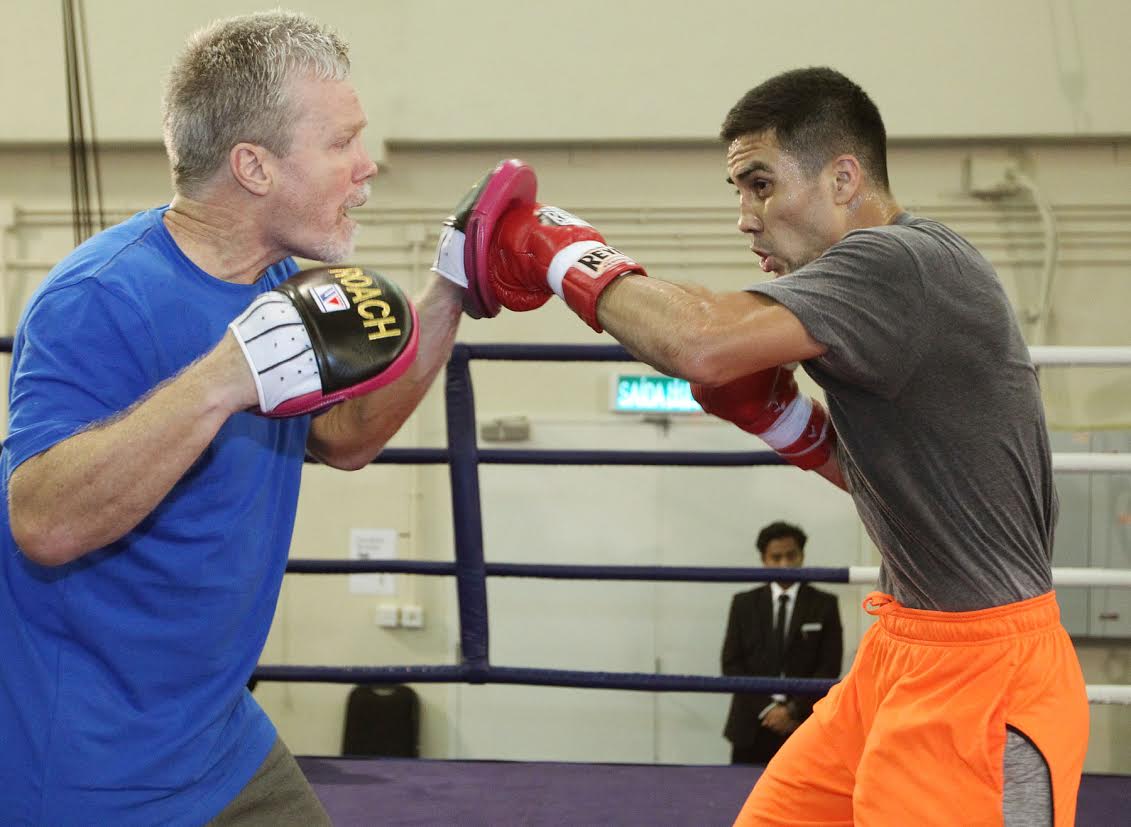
[(122, 674)]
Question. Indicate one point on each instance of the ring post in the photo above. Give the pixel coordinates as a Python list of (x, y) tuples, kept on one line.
[(467, 523)]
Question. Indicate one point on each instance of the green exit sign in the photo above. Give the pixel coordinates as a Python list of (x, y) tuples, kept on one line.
[(652, 394)]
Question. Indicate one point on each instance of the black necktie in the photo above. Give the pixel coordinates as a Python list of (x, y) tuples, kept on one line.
[(779, 630)]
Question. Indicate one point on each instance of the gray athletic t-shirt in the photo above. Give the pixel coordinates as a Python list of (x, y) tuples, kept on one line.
[(935, 401)]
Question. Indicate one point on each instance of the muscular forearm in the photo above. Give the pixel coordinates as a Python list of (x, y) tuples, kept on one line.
[(351, 434), (704, 337), (91, 489)]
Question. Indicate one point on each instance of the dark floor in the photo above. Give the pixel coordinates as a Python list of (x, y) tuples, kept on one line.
[(394, 791)]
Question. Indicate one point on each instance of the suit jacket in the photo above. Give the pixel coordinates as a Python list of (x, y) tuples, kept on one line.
[(814, 649)]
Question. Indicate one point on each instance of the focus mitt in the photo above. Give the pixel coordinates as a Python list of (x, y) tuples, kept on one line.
[(326, 335), (461, 256)]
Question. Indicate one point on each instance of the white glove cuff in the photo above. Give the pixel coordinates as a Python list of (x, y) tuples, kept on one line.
[(790, 426), (449, 256), (277, 348), (564, 259)]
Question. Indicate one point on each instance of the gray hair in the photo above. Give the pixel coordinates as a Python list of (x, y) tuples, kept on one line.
[(231, 84)]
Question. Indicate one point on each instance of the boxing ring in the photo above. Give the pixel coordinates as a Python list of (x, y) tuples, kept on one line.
[(388, 791), (413, 791)]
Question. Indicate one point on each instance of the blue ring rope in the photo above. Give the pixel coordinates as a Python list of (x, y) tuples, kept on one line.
[(471, 570), (520, 456), (695, 574), (581, 679)]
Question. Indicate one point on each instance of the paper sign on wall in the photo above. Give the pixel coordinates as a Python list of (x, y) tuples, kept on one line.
[(373, 544)]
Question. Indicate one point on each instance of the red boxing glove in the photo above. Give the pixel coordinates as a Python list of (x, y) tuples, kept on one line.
[(538, 251), (768, 405)]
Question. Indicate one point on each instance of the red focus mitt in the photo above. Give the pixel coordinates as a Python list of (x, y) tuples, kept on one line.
[(510, 251), (461, 256)]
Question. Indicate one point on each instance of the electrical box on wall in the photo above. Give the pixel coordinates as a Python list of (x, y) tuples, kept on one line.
[(506, 429), (386, 616), (990, 174)]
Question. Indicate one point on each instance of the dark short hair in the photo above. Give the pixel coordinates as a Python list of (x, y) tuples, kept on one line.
[(777, 531), (814, 114)]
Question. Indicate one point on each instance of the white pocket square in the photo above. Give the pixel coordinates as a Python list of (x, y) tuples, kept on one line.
[(812, 627)]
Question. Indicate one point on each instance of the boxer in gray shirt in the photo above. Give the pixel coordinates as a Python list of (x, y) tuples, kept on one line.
[(916, 323), (966, 703), (917, 327)]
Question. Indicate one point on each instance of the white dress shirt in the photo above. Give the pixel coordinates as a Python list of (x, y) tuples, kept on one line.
[(777, 591)]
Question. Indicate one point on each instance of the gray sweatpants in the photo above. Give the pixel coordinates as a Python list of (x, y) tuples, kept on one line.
[(1027, 798), (278, 795)]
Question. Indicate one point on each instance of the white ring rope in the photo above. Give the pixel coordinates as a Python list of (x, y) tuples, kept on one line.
[(1109, 693), (1061, 355), (868, 575), (1092, 577), (1087, 463)]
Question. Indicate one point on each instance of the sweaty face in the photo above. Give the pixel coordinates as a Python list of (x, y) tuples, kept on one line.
[(787, 214), (325, 173)]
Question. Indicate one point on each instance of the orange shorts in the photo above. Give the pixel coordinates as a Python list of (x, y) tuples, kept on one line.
[(915, 733)]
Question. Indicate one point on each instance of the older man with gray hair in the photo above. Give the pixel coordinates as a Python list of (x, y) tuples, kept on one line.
[(148, 504)]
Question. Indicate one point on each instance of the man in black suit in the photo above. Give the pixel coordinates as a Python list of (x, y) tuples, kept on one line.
[(778, 630)]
